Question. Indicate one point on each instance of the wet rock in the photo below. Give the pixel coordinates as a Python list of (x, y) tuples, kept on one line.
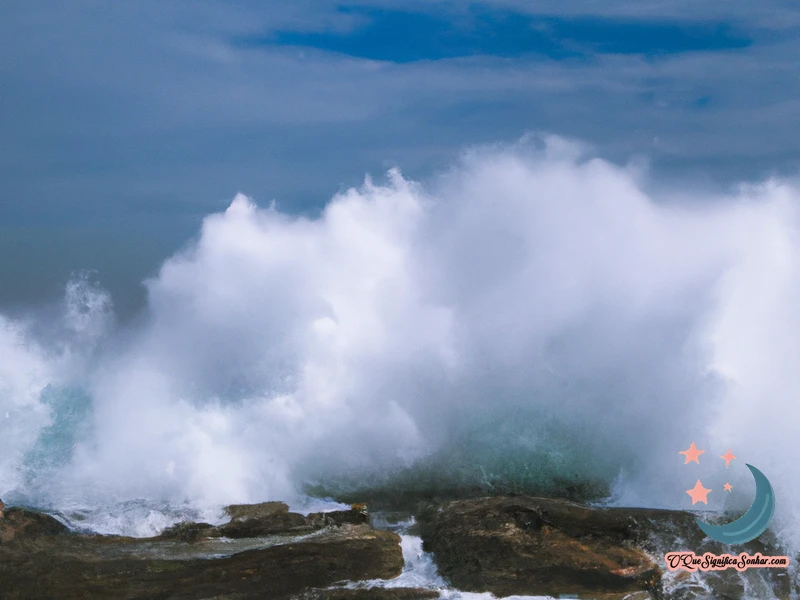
[(240, 512), (273, 518), (373, 593), (189, 531), (275, 523), (267, 518), (354, 516), (20, 524), (189, 560), (523, 545), (535, 546)]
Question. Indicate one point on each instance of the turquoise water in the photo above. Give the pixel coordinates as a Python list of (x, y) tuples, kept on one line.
[(70, 414)]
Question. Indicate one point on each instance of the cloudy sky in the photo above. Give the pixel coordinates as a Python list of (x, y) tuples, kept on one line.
[(124, 123)]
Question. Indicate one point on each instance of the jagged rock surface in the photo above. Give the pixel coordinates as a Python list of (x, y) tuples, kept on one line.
[(524, 545), (41, 559)]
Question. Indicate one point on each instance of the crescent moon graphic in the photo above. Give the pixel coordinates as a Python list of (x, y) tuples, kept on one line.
[(752, 523)]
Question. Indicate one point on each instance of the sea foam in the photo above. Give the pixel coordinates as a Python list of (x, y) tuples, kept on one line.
[(532, 315)]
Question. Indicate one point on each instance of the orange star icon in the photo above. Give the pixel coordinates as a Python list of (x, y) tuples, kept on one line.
[(692, 454), (728, 458), (698, 493), (728, 487)]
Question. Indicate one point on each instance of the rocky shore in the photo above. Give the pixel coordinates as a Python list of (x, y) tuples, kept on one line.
[(264, 551), (503, 545), (523, 545)]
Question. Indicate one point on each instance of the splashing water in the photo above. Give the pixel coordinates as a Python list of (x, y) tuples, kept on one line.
[(531, 316)]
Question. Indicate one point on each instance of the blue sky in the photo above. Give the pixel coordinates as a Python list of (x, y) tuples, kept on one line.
[(124, 123), (403, 36)]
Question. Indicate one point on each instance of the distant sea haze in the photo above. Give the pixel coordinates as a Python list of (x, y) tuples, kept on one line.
[(530, 317)]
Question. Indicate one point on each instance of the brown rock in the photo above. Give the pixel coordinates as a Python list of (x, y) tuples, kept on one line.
[(190, 561), (271, 518), (269, 524), (103, 567), (189, 531), (535, 546), (354, 516), (20, 524), (373, 593), (238, 512), (267, 519), (526, 545)]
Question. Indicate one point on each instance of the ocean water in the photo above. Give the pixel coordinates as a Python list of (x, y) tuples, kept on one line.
[(419, 570), (533, 319)]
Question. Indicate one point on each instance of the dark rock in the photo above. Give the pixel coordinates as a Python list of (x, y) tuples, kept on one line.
[(272, 518), (374, 593), (189, 531), (19, 524), (269, 524), (523, 545), (238, 512), (354, 516), (185, 562), (535, 546), (91, 571)]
